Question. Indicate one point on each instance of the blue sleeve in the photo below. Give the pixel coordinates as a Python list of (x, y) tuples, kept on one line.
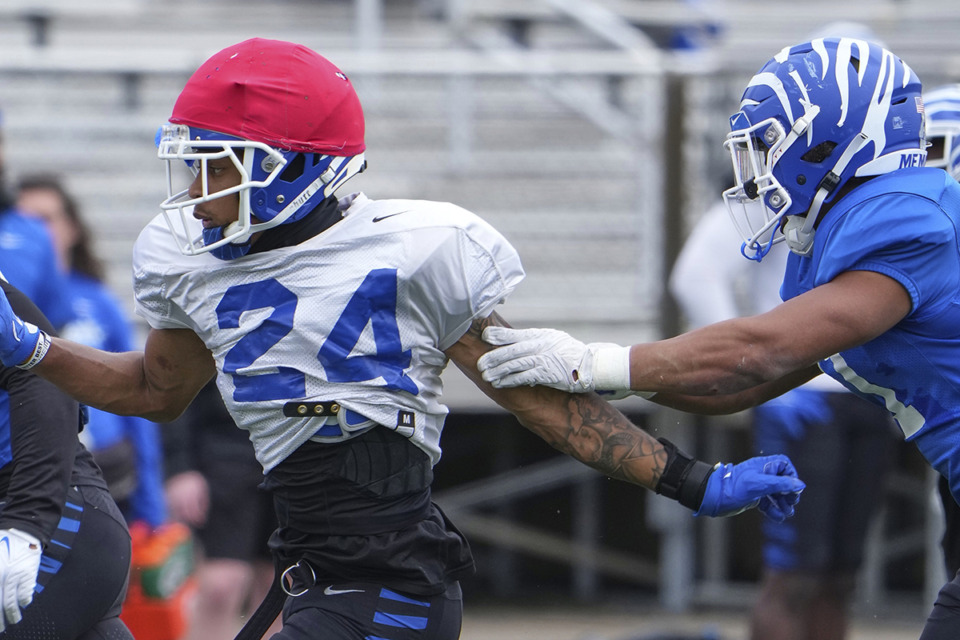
[(787, 416), (51, 293), (903, 236), (114, 322), (147, 501)]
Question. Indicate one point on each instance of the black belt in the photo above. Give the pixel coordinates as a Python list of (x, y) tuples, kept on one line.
[(271, 606), (311, 409), (293, 581)]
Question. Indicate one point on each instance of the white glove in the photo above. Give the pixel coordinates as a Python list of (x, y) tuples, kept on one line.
[(19, 564), (552, 358)]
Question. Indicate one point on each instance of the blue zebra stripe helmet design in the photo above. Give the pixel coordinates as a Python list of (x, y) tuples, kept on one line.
[(942, 106), (815, 116)]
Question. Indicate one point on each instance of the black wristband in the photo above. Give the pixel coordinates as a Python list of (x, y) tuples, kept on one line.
[(684, 479)]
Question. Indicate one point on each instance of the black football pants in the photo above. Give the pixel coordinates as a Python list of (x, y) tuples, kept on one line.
[(83, 574), (366, 611)]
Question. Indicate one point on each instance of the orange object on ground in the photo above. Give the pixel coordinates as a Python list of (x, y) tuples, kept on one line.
[(160, 581)]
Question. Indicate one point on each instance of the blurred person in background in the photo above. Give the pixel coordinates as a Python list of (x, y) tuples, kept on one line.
[(213, 485), (327, 324), (828, 148), (835, 438), (28, 258), (942, 108), (64, 545), (127, 448)]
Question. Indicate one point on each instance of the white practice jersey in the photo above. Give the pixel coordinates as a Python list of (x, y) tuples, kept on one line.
[(359, 315)]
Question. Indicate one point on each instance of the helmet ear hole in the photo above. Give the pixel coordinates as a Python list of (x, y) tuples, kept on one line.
[(820, 152), (294, 169)]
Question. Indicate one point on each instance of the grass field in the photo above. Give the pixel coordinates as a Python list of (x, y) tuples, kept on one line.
[(482, 623)]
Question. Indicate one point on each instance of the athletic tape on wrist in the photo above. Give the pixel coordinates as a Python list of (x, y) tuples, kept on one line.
[(611, 368), (684, 479), (43, 344)]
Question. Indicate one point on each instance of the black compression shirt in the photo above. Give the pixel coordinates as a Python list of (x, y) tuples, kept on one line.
[(40, 454)]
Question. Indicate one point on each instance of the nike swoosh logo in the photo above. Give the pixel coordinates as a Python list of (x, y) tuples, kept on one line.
[(389, 215), (330, 591)]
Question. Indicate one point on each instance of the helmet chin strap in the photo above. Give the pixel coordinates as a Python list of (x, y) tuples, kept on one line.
[(228, 251), (799, 229), (338, 172), (238, 238), (235, 227)]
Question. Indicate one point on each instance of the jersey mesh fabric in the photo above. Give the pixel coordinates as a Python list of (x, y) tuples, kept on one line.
[(359, 314), (903, 225)]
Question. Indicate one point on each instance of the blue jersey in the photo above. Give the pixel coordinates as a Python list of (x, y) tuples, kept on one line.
[(98, 321), (28, 261), (904, 225)]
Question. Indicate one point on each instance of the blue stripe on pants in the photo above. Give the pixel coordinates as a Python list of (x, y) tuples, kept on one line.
[(391, 595), (393, 620)]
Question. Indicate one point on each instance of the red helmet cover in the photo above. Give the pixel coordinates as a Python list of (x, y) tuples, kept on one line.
[(279, 93)]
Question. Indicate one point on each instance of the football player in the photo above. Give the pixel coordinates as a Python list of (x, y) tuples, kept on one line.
[(829, 142), (327, 324), (832, 436), (64, 545), (942, 108)]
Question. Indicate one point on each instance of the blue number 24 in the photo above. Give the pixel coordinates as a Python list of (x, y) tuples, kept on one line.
[(374, 303)]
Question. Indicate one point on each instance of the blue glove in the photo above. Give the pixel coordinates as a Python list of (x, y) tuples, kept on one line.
[(769, 483), (18, 339)]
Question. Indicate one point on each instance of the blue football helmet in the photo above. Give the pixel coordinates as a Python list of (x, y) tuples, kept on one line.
[(942, 107), (815, 116), (288, 119), (268, 197)]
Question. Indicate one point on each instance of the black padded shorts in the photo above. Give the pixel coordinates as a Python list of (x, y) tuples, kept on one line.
[(363, 610), (83, 574)]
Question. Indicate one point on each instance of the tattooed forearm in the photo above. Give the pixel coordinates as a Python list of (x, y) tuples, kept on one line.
[(598, 435), (583, 426)]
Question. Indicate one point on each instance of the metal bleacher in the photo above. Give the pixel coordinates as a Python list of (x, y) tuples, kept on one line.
[(568, 124), (509, 134), (445, 121)]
